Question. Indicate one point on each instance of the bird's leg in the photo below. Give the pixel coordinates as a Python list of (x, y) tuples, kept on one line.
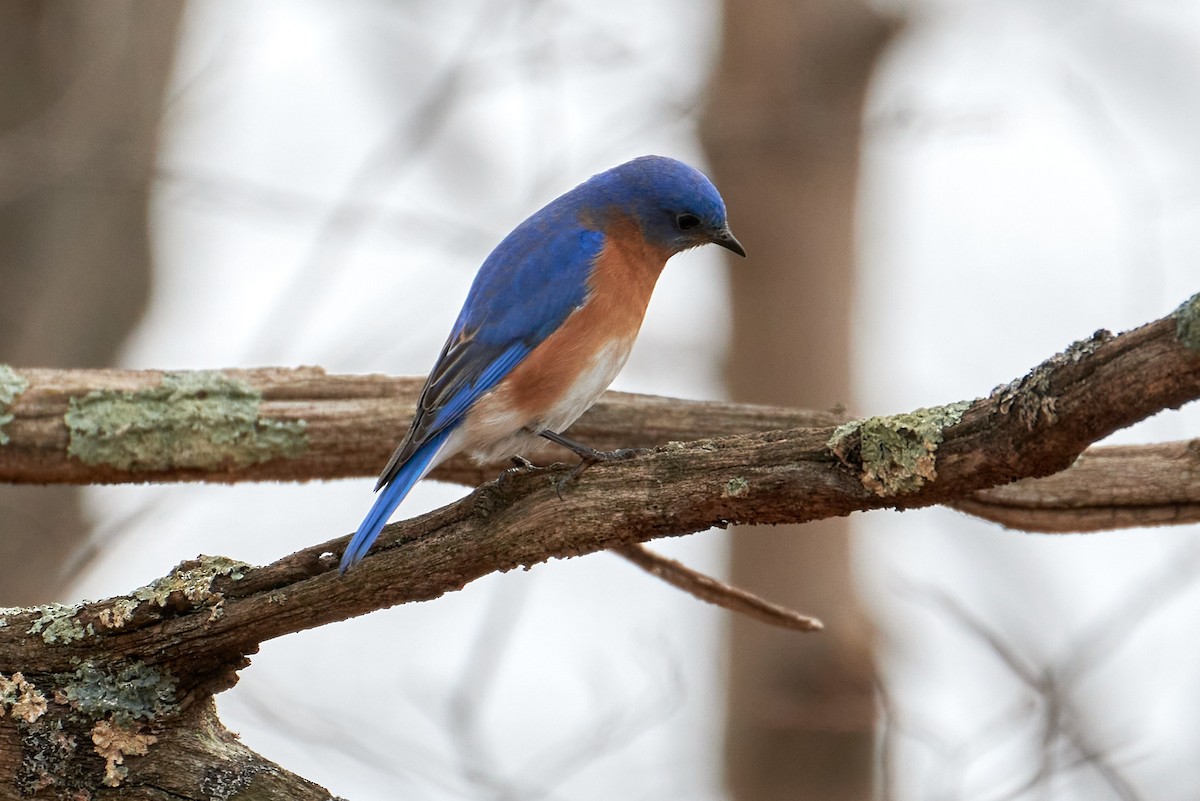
[(584, 452), (588, 456)]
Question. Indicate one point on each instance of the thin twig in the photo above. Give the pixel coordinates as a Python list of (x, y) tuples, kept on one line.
[(710, 590)]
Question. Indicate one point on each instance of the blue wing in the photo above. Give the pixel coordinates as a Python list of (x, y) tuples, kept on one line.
[(524, 291)]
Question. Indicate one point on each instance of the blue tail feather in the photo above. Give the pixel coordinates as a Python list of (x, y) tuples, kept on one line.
[(389, 498)]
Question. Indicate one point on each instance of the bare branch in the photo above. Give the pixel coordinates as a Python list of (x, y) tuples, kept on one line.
[(1106, 488), (712, 591), (281, 424)]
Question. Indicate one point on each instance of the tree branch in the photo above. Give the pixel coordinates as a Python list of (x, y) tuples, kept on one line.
[(184, 637), (709, 590), (1107, 488), (281, 424), (277, 424)]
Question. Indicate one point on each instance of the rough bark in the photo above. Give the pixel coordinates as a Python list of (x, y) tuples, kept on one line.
[(1121, 486)]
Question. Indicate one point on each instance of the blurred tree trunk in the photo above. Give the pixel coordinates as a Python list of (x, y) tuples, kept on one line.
[(782, 133), (81, 95)]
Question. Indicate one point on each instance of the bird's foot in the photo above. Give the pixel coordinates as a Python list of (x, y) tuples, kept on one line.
[(588, 456), (522, 463)]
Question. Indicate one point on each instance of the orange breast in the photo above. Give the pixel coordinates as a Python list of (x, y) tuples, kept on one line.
[(619, 290), (565, 374)]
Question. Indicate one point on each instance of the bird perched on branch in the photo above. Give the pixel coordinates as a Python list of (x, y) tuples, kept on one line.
[(549, 321)]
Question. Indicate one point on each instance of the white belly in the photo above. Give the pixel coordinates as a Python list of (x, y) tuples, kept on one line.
[(588, 387), (494, 430)]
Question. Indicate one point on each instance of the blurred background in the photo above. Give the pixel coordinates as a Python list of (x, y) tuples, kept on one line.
[(935, 197)]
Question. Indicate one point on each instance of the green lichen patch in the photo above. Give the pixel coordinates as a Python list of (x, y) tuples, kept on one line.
[(57, 623), (190, 583), (899, 452), (1187, 323), (115, 707), (117, 615), (837, 440), (135, 692), (20, 698), (200, 420), (193, 580), (11, 385), (736, 487)]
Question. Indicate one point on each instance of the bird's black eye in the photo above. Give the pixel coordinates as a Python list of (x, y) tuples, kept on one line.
[(686, 222)]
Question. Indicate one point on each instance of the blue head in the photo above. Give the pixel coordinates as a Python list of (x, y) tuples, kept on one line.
[(675, 206)]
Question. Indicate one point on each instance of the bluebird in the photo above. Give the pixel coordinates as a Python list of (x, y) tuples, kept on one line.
[(549, 321)]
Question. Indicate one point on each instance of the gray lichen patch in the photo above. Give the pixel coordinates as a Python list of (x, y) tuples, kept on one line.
[(121, 703), (189, 581), (117, 615), (116, 707), (1187, 323), (193, 580), (736, 487), (200, 420), (1031, 398), (134, 692), (899, 452), (57, 623), (1080, 349), (11, 386)]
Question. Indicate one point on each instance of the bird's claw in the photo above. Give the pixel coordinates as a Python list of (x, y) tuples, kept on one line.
[(586, 461)]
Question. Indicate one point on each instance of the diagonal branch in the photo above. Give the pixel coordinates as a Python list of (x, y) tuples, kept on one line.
[(709, 589)]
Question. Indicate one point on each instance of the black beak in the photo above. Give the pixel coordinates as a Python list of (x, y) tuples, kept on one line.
[(727, 240)]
